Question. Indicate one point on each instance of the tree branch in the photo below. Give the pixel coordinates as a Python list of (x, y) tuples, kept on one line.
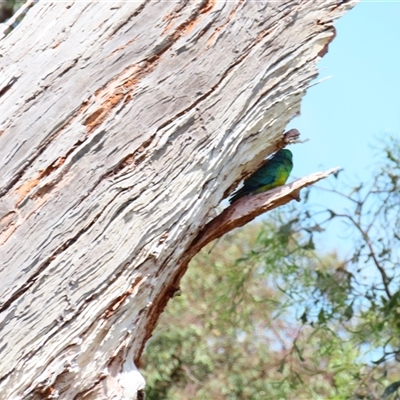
[(247, 208), (364, 235)]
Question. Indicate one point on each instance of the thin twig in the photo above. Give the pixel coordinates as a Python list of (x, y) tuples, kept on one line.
[(365, 237)]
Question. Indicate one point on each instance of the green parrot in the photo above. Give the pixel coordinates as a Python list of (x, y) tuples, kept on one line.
[(274, 172)]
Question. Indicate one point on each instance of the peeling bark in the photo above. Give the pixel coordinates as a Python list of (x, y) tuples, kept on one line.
[(122, 125)]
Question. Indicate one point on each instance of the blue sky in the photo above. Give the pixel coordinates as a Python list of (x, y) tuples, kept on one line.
[(344, 115)]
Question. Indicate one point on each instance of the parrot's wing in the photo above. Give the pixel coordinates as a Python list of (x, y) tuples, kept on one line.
[(265, 175)]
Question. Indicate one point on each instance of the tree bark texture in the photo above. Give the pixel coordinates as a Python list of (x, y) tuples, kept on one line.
[(122, 126)]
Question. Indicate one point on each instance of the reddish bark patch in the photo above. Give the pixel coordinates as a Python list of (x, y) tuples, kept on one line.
[(93, 117), (26, 187)]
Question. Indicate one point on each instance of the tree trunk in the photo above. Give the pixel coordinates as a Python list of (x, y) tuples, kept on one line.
[(122, 126)]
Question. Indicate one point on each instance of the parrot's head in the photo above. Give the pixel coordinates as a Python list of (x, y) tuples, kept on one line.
[(284, 154)]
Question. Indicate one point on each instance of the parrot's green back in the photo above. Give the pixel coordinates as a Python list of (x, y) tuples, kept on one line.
[(273, 173)]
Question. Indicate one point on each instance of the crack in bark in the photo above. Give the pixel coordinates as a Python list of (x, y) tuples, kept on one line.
[(27, 187), (130, 17), (72, 65), (82, 395), (173, 15), (8, 85), (211, 40), (119, 300), (132, 160)]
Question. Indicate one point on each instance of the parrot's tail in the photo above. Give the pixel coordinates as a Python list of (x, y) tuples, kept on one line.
[(238, 194)]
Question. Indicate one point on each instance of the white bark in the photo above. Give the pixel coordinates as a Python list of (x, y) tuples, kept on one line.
[(121, 126)]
